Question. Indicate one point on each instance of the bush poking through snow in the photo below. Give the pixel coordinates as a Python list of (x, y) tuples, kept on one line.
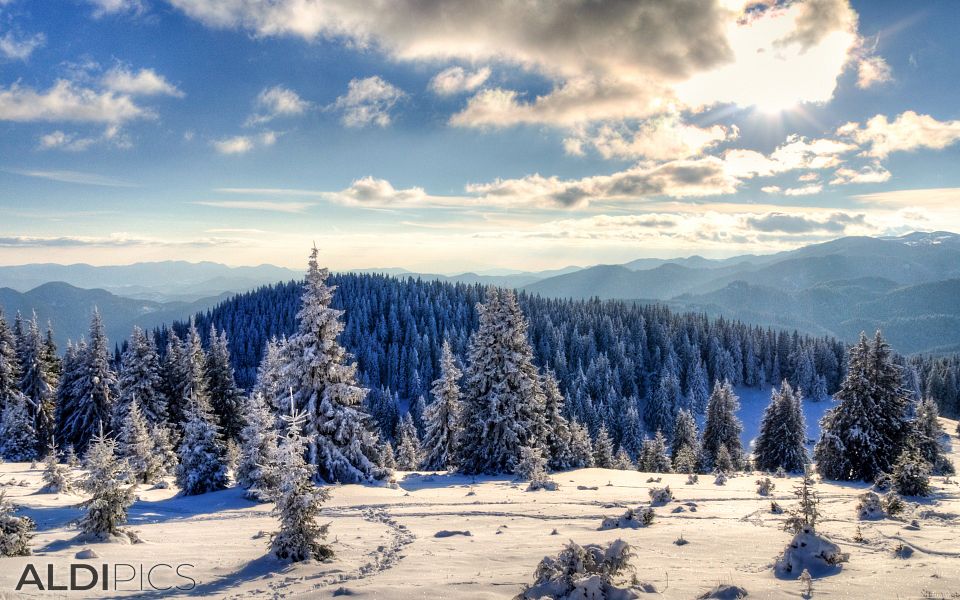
[(589, 571), (533, 468), (765, 486), (56, 477), (868, 506), (806, 581), (15, 532), (634, 518), (692, 478), (805, 514), (883, 482), (720, 478), (811, 552), (893, 504), (660, 496), (724, 591)]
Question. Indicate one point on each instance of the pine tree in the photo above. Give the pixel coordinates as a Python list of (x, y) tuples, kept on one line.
[(93, 393), (653, 456), (18, 438), (166, 448), (38, 384), (202, 454), (109, 501), (174, 372), (137, 447), (723, 428), (622, 460), (911, 474), (9, 364), (503, 406), (557, 438), (685, 434), (783, 433), (686, 461), (865, 433), (631, 430), (603, 449), (663, 406), (15, 531), (927, 435), (74, 365), (325, 387), (723, 462), (140, 379), (408, 445), (388, 459), (225, 397), (443, 415), (581, 448), (298, 500), (56, 477), (698, 390), (256, 469), (270, 379)]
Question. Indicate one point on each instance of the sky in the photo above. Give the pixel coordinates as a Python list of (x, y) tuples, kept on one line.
[(461, 135)]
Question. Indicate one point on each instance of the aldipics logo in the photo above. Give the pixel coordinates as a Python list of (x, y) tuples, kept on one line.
[(117, 577)]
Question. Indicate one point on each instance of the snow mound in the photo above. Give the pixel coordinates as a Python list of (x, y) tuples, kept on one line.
[(86, 554), (811, 551), (660, 496), (582, 572), (724, 591), (634, 518), (869, 508)]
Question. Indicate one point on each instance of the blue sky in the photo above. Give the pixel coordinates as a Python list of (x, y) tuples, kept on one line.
[(462, 135)]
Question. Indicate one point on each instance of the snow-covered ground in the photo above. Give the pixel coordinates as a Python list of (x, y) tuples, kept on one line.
[(387, 544)]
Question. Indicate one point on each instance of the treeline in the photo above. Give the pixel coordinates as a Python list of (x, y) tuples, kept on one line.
[(606, 356)]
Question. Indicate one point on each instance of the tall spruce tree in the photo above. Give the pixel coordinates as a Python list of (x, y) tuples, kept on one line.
[(92, 396), (927, 437), (202, 453), (137, 447), (408, 445), (18, 438), (225, 397), (324, 385), (109, 497), (783, 433), (557, 432), (443, 415), (257, 469), (175, 379), (581, 448), (603, 449), (9, 364), (139, 379), (685, 435), (503, 406), (270, 380), (38, 384), (722, 428), (865, 433)]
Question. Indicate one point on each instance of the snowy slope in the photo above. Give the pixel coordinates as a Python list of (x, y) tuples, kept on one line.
[(386, 543)]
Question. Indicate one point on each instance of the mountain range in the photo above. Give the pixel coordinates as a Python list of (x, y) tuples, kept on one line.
[(909, 286)]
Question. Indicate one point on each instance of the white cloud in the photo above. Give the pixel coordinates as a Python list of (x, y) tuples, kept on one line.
[(241, 144), (456, 80), (145, 82), (795, 153), (871, 71), (663, 138), (806, 190), (277, 101), (258, 205), (73, 142), (110, 7), (875, 173), (66, 101), (367, 101), (15, 47), (369, 191), (73, 177), (909, 131), (113, 240)]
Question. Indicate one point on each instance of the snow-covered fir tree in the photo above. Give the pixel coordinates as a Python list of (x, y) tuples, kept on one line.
[(256, 469), (18, 438), (631, 429), (73, 367), (137, 447), (532, 467), (225, 397), (202, 453), (166, 447), (724, 462), (581, 448), (622, 460), (667, 399), (866, 432), (443, 415), (911, 473), (325, 387), (57, 478), (685, 434), (174, 372), (722, 428), (110, 497), (557, 432), (9, 364), (653, 455), (15, 531), (603, 449), (92, 397), (698, 387), (139, 379), (388, 459), (503, 402), (686, 460), (270, 379), (409, 453), (927, 436), (298, 501), (38, 384), (781, 443)]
